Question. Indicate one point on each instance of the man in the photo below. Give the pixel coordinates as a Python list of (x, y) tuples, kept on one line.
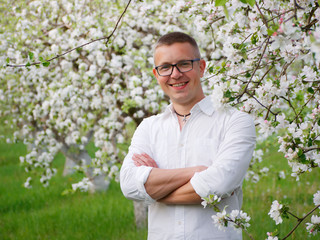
[(188, 152)]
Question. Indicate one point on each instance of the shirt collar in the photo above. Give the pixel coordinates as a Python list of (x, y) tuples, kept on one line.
[(205, 105)]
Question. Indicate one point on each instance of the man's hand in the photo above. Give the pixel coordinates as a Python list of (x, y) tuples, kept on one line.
[(144, 160)]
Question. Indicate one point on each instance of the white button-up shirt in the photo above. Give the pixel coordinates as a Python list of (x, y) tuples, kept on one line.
[(223, 140)]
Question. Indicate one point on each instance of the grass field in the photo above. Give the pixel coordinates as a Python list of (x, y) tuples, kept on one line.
[(44, 213)]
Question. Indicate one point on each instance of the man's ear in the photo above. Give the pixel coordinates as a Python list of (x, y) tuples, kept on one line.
[(202, 66), (155, 73)]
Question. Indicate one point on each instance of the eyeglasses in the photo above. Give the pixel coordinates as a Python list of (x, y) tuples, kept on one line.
[(182, 66)]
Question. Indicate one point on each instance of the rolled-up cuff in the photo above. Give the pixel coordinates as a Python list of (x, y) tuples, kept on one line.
[(142, 175), (199, 185)]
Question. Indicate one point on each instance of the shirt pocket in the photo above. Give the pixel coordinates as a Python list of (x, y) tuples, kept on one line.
[(205, 151)]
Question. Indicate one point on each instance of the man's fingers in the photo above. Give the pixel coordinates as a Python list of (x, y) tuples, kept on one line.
[(139, 160), (150, 160), (143, 160)]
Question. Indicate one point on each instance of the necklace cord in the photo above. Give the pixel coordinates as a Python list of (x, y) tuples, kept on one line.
[(184, 116)]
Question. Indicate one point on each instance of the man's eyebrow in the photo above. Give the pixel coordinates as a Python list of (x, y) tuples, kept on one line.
[(165, 63)]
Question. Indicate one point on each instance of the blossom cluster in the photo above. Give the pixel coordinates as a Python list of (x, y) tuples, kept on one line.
[(236, 218), (276, 211), (263, 60), (91, 94), (314, 226)]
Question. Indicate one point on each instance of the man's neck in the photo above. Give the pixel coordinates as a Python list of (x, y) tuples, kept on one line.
[(184, 109)]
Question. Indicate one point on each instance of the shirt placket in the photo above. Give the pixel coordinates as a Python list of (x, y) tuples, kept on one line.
[(179, 213)]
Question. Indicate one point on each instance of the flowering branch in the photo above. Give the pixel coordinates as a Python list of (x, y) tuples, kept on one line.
[(46, 62), (312, 97), (300, 220), (256, 68)]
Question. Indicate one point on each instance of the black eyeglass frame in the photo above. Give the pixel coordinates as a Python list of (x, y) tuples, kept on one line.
[(175, 65)]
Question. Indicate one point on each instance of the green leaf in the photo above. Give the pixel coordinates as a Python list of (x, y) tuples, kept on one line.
[(45, 64), (8, 60), (41, 59), (31, 55), (251, 2), (317, 142), (28, 64), (310, 90), (270, 32), (300, 152), (220, 3), (298, 141), (303, 159), (225, 9), (248, 75), (227, 94), (128, 104), (254, 38)]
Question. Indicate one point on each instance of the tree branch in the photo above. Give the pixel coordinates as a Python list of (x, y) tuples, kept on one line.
[(107, 38), (256, 68), (300, 220), (307, 103), (263, 18)]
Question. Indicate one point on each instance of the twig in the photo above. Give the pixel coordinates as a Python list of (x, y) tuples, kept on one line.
[(263, 18), (290, 104), (307, 102), (107, 38), (268, 108), (240, 226), (279, 15), (310, 149), (300, 220), (256, 68)]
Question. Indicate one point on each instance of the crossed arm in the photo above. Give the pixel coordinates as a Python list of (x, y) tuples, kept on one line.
[(170, 186)]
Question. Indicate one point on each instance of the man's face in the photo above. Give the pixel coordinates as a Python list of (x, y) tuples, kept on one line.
[(182, 88)]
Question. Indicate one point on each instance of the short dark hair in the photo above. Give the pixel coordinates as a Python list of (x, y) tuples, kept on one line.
[(177, 37)]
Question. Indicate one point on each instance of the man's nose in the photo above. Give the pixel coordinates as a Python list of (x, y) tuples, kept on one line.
[(175, 72)]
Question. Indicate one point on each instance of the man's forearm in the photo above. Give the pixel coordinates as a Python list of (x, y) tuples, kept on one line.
[(183, 195), (162, 182)]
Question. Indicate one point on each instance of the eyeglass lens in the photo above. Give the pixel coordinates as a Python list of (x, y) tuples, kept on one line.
[(167, 69)]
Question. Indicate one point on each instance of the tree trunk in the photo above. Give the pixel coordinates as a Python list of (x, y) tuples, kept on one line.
[(69, 166), (100, 183), (140, 214)]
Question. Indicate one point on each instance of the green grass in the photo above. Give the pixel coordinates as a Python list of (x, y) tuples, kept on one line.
[(258, 198), (44, 213)]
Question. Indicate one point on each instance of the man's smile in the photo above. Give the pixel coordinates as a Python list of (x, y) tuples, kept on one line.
[(179, 84)]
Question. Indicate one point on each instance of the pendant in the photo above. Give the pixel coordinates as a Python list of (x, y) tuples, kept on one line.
[(184, 118)]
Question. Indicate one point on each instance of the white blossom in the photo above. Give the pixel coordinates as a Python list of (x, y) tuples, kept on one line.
[(314, 226), (275, 213), (316, 198), (84, 185)]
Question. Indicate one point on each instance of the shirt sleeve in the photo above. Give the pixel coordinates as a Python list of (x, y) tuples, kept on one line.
[(234, 155), (132, 178)]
